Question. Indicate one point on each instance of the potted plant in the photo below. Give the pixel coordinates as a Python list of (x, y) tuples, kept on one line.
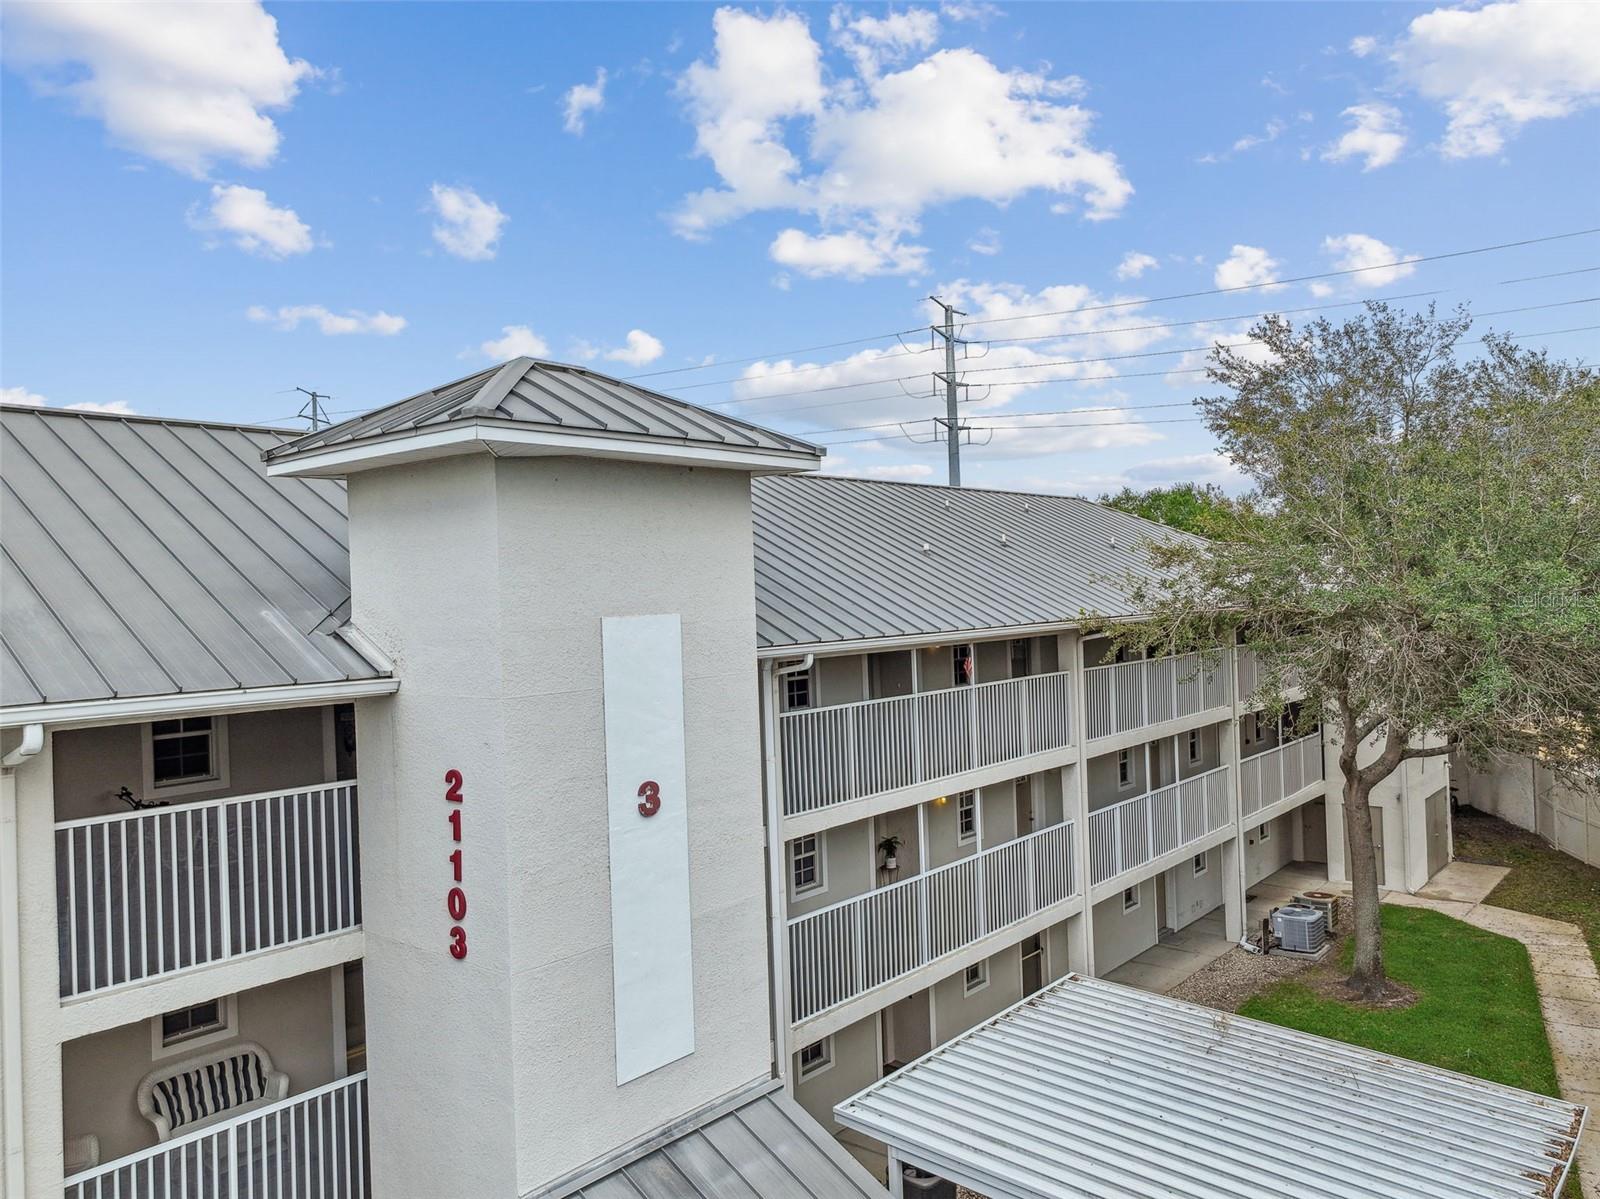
[(887, 848)]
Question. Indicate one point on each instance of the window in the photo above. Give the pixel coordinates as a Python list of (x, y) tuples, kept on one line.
[(1194, 746), (1124, 768), (961, 664), (184, 1030), (1264, 832), (1130, 899), (1019, 657), (1201, 865), (796, 691), (976, 978), (967, 817), (188, 754), (805, 864), (816, 1057)]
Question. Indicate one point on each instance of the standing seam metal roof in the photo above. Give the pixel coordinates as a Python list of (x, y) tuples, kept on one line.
[(764, 1148), (143, 557), (842, 560), (555, 396), (1090, 1090)]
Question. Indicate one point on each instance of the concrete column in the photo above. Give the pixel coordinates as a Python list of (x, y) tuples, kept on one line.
[(1075, 802), (1333, 810), (1233, 889), (1233, 864)]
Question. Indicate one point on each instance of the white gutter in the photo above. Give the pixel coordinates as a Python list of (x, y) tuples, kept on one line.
[(11, 1173), (940, 637), (776, 882), (192, 703)]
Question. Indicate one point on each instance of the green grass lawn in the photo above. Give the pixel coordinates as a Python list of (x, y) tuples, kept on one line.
[(1543, 881), (1477, 1008)]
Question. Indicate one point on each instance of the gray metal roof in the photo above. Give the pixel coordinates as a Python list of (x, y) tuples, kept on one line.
[(143, 557), (763, 1147), (530, 393), (1092, 1089), (852, 559)]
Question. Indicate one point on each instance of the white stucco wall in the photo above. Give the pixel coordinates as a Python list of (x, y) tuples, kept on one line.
[(487, 582), (1261, 858), (1194, 897), (1120, 935), (954, 1011), (855, 1066), (1530, 796)]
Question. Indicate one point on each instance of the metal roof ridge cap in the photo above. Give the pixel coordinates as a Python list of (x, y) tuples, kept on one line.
[(498, 386)]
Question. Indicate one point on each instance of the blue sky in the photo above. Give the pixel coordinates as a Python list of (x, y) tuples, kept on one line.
[(208, 205)]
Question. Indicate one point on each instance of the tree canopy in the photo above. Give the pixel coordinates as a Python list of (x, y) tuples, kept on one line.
[(1198, 508)]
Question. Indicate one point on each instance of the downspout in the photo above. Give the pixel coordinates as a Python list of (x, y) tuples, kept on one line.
[(776, 894), (10, 962)]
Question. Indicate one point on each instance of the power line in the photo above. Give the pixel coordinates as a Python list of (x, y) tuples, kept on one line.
[(1509, 245)]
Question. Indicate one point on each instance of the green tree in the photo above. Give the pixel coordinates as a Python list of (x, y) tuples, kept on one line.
[(1420, 552), (1201, 509)]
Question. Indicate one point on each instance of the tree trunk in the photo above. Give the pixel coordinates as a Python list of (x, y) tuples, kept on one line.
[(1368, 977)]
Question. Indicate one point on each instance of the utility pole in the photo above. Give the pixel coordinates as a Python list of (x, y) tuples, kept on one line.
[(950, 420), (313, 410)]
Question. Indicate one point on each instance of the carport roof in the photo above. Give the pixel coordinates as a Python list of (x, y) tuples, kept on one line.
[(1092, 1089)]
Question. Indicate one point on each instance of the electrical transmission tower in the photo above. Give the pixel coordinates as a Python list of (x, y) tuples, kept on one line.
[(313, 411), (950, 421)]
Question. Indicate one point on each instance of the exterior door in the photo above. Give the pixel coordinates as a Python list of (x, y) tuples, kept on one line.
[(1033, 964), (1025, 821), (1438, 814)]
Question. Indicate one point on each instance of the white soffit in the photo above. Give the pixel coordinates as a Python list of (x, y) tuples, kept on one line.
[(1092, 1089)]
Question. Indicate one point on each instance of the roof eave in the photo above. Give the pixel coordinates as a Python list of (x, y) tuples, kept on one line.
[(137, 708), (510, 439)]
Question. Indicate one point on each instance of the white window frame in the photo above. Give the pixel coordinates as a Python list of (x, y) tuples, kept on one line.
[(1264, 832), (1202, 863), (219, 778), (964, 801), (1125, 758), (821, 1066), (1196, 748), (228, 1030), (811, 690), (821, 883), (1138, 899), (971, 984)]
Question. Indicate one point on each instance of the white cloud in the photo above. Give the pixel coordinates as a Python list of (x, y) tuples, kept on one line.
[(1135, 263), (1247, 266), (1354, 251), (582, 99), (185, 84), (874, 42), (640, 349), (1274, 129), (515, 341), (469, 226), (1362, 46), (32, 399), (1376, 134), (903, 472), (249, 218), (1101, 428), (333, 324), (1497, 67), (852, 255), (1188, 468), (987, 241), (881, 146)]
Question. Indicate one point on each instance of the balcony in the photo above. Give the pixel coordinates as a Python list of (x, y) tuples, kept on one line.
[(313, 1144), (148, 893), (1279, 773), (1251, 675), (846, 950), (1121, 697), (1147, 827), (852, 751)]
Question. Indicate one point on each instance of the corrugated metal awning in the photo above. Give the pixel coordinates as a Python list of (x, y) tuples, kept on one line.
[(1093, 1089)]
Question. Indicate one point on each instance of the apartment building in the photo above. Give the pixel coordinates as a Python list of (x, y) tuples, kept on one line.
[(540, 787)]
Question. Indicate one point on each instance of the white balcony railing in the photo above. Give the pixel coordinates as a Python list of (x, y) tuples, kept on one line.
[(850, 751), (145, 893), (1122, 696), (1251, 674), (840, 952), (310, 1146), (1126, 835), (1277, 774)]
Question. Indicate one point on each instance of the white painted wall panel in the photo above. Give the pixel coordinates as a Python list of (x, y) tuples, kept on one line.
[(652, 962)]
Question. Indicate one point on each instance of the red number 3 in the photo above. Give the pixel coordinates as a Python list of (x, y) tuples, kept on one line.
[(650, 798), (458, 942)]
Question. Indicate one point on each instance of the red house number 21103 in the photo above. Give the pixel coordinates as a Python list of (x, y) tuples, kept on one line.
[(455, 900)]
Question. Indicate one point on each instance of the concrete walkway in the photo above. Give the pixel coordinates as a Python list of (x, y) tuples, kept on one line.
[(1569, 986)]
